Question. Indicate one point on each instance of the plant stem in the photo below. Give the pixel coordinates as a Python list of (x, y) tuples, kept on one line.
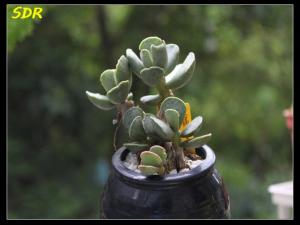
[(178, 153), (115, 136), (123, 107), (164, 92), (121, 110), (179, 159)]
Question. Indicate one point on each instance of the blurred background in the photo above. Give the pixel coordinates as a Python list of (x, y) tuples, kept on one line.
[(60, 145)]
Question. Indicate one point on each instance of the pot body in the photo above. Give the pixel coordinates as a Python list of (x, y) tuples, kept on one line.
[(197, 194)]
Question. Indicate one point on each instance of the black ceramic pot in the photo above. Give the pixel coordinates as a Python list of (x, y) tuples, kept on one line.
[(199, 193)]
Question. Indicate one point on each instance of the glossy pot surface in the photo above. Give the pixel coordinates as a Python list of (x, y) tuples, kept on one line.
[(199, 193)]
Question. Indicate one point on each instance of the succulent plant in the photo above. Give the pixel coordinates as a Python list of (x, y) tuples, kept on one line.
[(117, 83), (157, 67), (147, 129), (160, 139), (152, 161)]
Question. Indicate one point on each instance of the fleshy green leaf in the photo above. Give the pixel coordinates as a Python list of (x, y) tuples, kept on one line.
[(136, 129), (122, 71), (131, 114), (101, 101), (152, 76), (174, 103), (107, 79), (150, 159), (146, 58), (147, 42), (173, 57), (159, 55), (172, 117), (136, 147), (192, 127), (148, 170), (119, 93), (135, 63), (159, 150), (150, 99), (196, 142), (182, 73), (157, 129)]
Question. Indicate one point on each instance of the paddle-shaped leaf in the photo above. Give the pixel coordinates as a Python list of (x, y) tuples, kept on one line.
[(159, 150), (148, 170), (131, 114), (150, 159), (150, 99), (122, 71), (119, 93), (147, 42), (152, 76), (172, 117), (174, 103), (196, 142), (108, 80), (182, 73), (136, 130), (101, 101), (146, 58), (159, 55), (135, 63), (157, 129), (192, 127), (136, 146), (173, 57)]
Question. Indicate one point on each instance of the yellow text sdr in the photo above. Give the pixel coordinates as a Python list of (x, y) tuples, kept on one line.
[(27, 13)]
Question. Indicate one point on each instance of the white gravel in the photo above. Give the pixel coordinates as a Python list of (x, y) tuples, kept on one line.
[(173, 172), (131, 162)]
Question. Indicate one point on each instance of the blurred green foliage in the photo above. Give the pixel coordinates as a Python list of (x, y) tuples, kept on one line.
[(17, 31), (59, 144)]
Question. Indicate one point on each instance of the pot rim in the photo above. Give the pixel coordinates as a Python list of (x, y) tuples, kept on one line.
[(134, 177)]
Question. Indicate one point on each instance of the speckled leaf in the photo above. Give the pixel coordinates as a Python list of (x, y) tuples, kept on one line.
[(136, 130), (108, 80), (172, 117), (150, 159), (174, 103), (152, 76), (159, 150), (146, 58), (157, 129), (159, 55), (135, 64), (136, 146), (182, 73), (148, 170), (131, 114), (196, 142), (119, 93), (122, 71), (192, 127), (173, 57), (147, 42), (150, 99), (101, 101)]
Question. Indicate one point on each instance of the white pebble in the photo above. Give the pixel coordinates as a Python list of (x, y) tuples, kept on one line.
[(131, 162), (173, 172), (195, 163), (184, 170)]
